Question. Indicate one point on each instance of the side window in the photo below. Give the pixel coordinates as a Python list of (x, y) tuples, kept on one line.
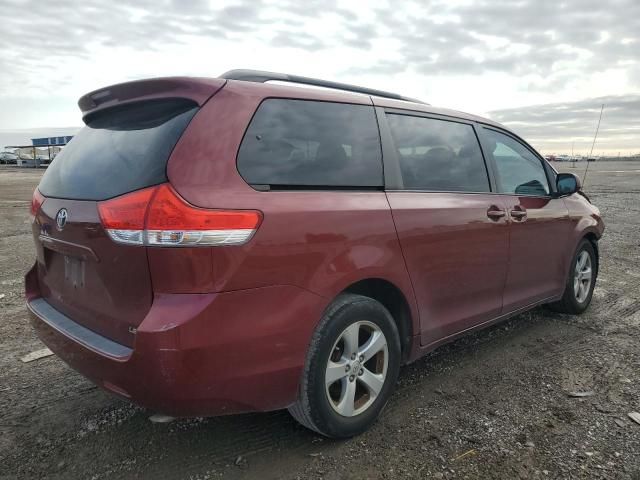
[(438, 155), (519, 170), (307, 143)]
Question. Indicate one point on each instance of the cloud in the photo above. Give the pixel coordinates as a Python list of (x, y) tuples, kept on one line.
[(542, 38), (536, 37), (471, 55), (554, 127), (300, 40), (40, 35)]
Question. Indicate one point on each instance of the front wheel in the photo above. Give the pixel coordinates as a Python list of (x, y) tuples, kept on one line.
[(351, 368), (581, 281)]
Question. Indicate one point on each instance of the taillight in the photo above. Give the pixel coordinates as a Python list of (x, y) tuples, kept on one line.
[(158, 216), (173, 221), (36, 202), (123, 217)]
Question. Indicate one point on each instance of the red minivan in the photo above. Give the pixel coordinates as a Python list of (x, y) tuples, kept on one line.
[(215, 246)]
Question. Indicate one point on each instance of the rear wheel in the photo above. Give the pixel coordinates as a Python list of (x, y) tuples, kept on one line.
[(580, 282), (351, 368)]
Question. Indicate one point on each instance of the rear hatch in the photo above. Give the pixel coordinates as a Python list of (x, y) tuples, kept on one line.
[(100, 284)]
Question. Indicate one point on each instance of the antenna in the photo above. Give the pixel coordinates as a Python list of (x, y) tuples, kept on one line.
[(573, 159), (584, 177)]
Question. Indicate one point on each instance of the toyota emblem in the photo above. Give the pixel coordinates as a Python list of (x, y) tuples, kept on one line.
[(61, 218)]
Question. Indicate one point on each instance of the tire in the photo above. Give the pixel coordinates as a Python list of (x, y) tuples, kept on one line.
[(572, 302), (318, 405)]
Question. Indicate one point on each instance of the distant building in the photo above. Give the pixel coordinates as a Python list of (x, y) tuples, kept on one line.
[(46, 141), (41, 151)]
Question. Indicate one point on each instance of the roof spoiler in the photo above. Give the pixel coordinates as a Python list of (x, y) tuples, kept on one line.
[(197, 89), (261, 77)]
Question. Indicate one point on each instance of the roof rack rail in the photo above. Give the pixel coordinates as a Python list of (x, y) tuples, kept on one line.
[(261, 77)]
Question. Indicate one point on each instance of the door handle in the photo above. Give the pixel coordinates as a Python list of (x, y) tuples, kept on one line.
[(518, 213), (495, 213)]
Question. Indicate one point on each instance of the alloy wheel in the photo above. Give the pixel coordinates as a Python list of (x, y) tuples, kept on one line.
[(357, 368), (582, 276)]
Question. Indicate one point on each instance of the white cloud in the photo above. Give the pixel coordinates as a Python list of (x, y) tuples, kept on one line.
[(477, 56)]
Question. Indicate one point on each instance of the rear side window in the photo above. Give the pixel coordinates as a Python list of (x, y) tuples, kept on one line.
[(438, 155), (519, 170), (119, 150), (301, 143)]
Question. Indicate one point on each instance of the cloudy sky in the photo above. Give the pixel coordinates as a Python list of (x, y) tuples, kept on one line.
[(543, 67)]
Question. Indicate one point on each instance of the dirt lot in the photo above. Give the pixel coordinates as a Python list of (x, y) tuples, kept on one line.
[(491, 405)]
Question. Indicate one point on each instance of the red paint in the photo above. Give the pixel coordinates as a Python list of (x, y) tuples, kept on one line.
[(203, 354), (197, 89), (457, 258), (226, 329), (539, 250), (116, 291)]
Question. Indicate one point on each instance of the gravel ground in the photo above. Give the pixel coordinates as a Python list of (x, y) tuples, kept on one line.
[(494, 404)]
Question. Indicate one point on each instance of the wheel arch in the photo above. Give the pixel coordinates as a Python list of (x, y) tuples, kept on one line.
[(586, 228), (593, 239), (394, 300)]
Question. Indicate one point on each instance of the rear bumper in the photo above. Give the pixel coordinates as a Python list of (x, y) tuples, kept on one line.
[(195, 354), (74, 331)]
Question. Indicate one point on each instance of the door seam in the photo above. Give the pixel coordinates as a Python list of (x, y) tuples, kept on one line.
[(406, 269)]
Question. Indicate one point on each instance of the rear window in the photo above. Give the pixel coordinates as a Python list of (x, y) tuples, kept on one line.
[(301, 143), (119, 150)]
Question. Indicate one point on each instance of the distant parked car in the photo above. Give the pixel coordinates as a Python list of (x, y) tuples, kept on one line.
[(8, 157)]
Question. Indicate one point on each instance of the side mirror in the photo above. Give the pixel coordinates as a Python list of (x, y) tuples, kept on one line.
[(567, 183)]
